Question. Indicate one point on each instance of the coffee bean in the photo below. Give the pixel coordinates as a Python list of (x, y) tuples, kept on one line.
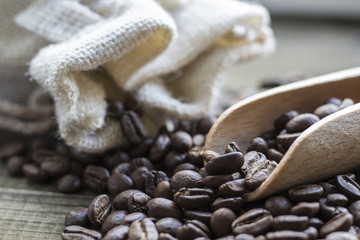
[(328, 188), (209, 155), (337, 199), (232, 147), (198, 140), (312, 232), (34, 173), (327, 211), (181, 141), (39, 155), (162, 207), (142, 149), (163, 190), (306, 193), (354, 209), (95, 178), (132, 217), (132, 127), (258, 144), (316, 222), (284, 141), (325, 110), (258, 172), (117, 233), (340, 222), (201, 216), (301, 122), (283, 119), (187, 179), (185, 166), (77, 216), (114, 108), (55, 166), (133, 102), (112, 160), (83, 157), (233, 188), (278, 205), (166, 236), (191, 198), (274, 155), (195, 156), (290, 222), (14, 165), (99, 209), (251, 158), (309, 209), (120, 201), (340, 235), (118, 183), (174, 159), (255, 222), (143, 229), (152, 179), (11, 149), (216, 181), (112, 220), (233, 203), (245, 236), (78, 232), (69, 183), (168, 225), (221, 220), (192, 229), (160, 148), (140, 162), (286, 235), (121, 168), (225, 164), (205, 124), (335, 101), (137, 202), (347, 102), (348, 187)]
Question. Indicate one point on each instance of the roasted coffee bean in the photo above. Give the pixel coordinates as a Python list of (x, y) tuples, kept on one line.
[(309, 209), (316, 222), (120, 201), (185, 166), (137, 202), (258, 172), (140, 162), (114, 108), (347, 102), (275, 155), (233, 188), (163, 190), (11, 149), (290, 222), (191, 198), (278, 205), (99, 209), (166, 236), (312, 232), (283, 119), (95, 178), (327, 211), (78, 232), (216, 181), (14, 165), (225, 164), (335, 101), (198, 140), (255, 222), (118, 183), (348, 187), (39, 155), (301, 122), (142, 149), (132, 217), (187, 179), (286, 235), (306, 193), (113, 220), (258, 144), (195, 156), (232, 147), (152, 179), (160, 148), (201, 216), (132, 127), (233, 203), (143, 229), (112, 160), (162, 207), (202, 172), (117, 233), (325, 110), (69, 183), (205, 124), (181, 141), (221, 220), (77, 216), (340, 235), (251, 158), (354, 209), (138, 176), (284, 141), (168, 225), (174, 159), (340, 222), (83, 157), (328, 188), (34, 173), (121, 168), (133, 102), (209, 155), (245, 236), (337, 199), (192, 229), (55, 166)]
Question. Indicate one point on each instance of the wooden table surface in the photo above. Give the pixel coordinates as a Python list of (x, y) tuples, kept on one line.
[(35, 211)]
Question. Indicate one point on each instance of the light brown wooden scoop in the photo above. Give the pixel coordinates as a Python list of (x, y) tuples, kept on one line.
[(327, 148)]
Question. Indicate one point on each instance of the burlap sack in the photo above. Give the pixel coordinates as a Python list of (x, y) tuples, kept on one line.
[(173, 53)]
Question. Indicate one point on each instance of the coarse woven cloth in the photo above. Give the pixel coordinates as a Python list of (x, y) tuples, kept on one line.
[(172, 53)]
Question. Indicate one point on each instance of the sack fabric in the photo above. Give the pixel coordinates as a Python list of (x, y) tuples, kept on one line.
[(172, 53)]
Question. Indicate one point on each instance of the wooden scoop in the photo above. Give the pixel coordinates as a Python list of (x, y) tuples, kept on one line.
[(327, 148)]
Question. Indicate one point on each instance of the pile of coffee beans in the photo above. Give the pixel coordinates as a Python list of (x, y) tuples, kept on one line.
[(159, 188)]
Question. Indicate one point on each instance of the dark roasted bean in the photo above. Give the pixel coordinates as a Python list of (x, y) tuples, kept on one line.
[(334, 100), (113, 160), (14, 165), (354, 209), (137, 202), (78, 232), (205, 124), (221, 220), (138, 176), (251, 158), (181, 141), (117, 233), (152, 179), (347, 102), (77, 216), (209, 155), (340, 235), (34, 173), (286, 235), (118, 183), (113, 220), (143, 229), (284, 141), (69, 183), (140, 162), (216, 181), (132, 217), (245, 236), (121, 168), (99, 209), (162, 207), (274, 155), (225, 164), (348, 187), (166, 236), (258, 172), (340, 222), (290, 222), (195, 156), (278, 205), (142, 149), (120, 201), (316, 222), (114, 108), (201, 216), (255, 222), (191, 198), (283, 119), (327, 211), (41, 154), (174, 159), (163, 189), (309, 209), (168, 225), (312, 232), (233, 188), (55, 166), (186, 166), (187, 179), (328, 188), (233, 203), (306, 193), (198, 140), (337, 199), (192, 229), (11, 149), (325, 110), (160, 148), (132, 127), (95, 178), (301, 122), (83, 157), (132, 102), (232, 147), (258, 144)]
